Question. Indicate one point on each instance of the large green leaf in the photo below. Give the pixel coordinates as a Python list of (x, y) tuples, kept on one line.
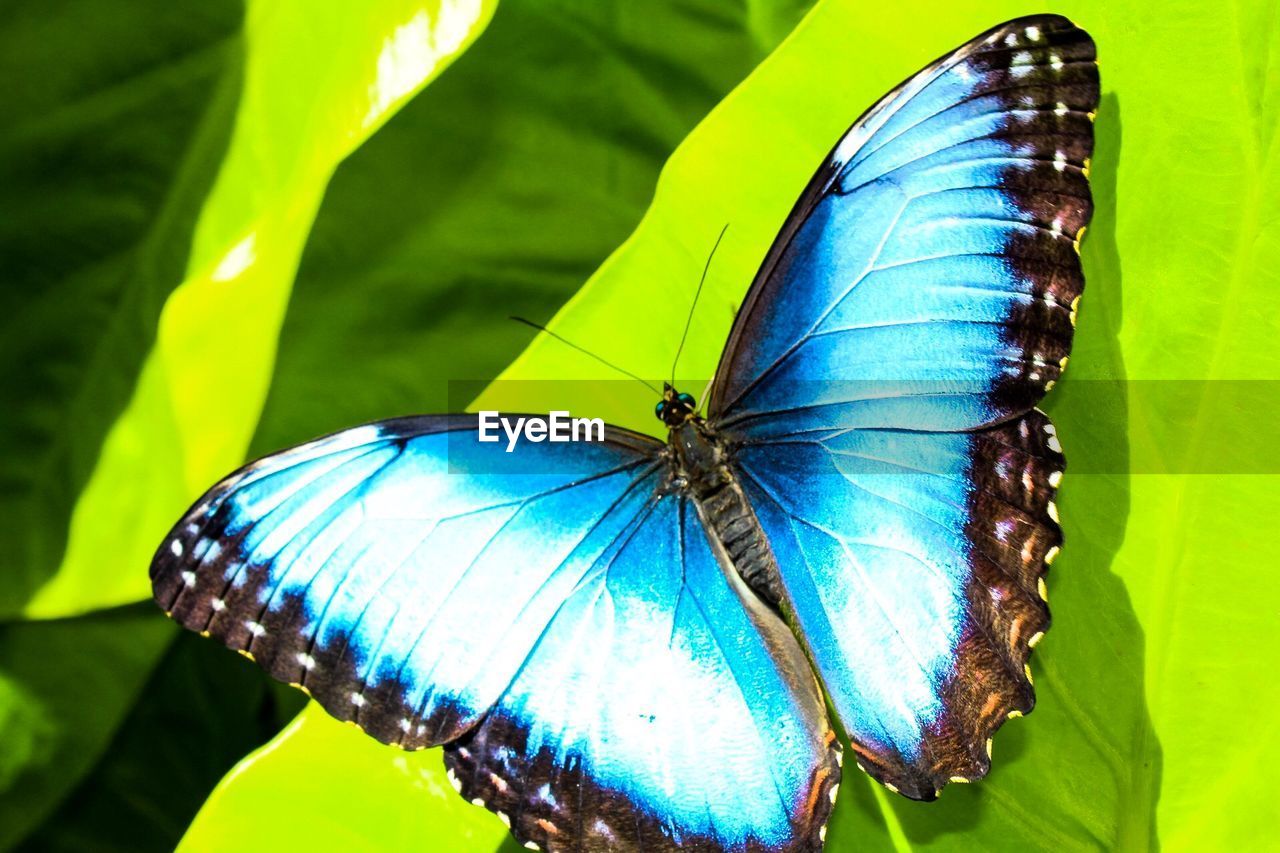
[(201, 711), (113, 122), (1163, 604), (496, 192), (64, 687), (1137, 735), (317, 80), (119, 380)]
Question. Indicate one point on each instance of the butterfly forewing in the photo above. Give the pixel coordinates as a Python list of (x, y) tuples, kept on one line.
[(934, 252)]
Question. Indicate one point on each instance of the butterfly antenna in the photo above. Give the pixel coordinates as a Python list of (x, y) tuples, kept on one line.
[(689, 320), (570, 343)]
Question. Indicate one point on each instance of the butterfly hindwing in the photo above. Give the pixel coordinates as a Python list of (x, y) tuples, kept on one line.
[(556, 616), (658, 711), (878, 389), (912, 566)]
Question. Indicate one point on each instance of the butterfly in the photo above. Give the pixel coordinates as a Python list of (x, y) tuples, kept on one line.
[(627, 643)]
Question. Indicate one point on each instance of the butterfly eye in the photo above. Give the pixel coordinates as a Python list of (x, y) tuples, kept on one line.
[(687, 400), (657, 410)]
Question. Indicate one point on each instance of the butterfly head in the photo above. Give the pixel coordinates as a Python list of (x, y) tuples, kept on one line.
[(675, 408)]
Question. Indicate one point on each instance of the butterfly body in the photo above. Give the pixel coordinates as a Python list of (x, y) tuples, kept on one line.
[(701, 466), (594, 631)]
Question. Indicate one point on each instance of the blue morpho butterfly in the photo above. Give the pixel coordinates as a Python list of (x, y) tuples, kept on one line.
[(623, 644)]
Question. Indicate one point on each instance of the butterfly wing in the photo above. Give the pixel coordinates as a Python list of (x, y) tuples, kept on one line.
[(928, 275), (911, 565), (878, 387), (432, 588), (651, 715), (361, 566)]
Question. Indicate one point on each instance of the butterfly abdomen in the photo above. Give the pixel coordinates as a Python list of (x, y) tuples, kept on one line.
[(702, 464)]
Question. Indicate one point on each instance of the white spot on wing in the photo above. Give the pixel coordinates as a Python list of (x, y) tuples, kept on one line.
[(1033, 33), (188, 578), (176, 547), (218, 604), (306, 661), (357, 699), (255, 628)]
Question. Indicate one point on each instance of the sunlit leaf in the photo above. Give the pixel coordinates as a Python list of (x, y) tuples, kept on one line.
[(1164, 609), (317, 80), (496, 192), (113, 122), (117, 119)]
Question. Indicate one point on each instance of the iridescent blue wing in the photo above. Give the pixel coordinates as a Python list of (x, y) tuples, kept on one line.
[(399, 571), (928, 276), (406, 574), (911, 565), (664, 707), (879, 383)]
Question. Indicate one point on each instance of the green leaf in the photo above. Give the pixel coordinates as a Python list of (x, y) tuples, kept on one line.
[(1138, 737), (202, 711), (115, 120), (342, 790), (126, 393), (317, 80), (64, 687), (495, 192)]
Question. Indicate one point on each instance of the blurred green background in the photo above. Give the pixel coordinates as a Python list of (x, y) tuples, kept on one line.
[(229, 227)]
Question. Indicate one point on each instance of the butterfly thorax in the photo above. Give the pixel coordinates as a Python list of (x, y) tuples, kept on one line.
[(701, 468)]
